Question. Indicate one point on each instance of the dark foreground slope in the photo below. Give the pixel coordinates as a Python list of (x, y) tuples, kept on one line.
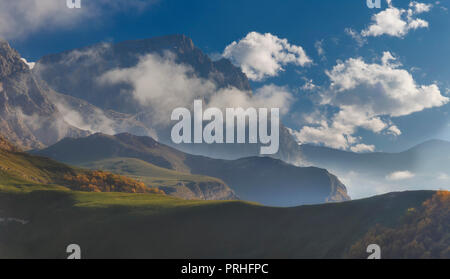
[(42, 222), (265, 180)]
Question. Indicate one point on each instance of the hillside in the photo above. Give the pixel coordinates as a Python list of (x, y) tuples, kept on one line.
[(22, 167), (18, 168), (424, 232), (124, 225), (173, 183), (265, 180)]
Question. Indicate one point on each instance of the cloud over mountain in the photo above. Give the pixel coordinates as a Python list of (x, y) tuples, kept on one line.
[(162, 84)]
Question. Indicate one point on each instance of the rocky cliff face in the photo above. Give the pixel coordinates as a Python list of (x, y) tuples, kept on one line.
[(27, 117), (211, 190)]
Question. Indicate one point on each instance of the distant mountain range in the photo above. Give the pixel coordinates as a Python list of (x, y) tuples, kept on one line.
[(432, 155), (264, 180), (424, 165)]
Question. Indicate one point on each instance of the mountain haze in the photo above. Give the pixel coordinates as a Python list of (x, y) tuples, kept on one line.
[(424, 165)]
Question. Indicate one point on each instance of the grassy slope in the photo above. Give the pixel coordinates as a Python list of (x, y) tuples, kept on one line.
[(260, 179), (154, 226), (22, 166), (146, 172), (178, 184)]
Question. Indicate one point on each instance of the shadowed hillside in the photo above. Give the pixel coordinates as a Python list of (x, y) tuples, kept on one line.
[(120, 225)]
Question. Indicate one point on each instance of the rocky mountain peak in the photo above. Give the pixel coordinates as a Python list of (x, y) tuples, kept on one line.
[(27, 117), (10, 61)]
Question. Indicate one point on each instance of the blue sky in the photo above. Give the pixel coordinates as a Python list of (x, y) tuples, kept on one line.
[(422, 51)]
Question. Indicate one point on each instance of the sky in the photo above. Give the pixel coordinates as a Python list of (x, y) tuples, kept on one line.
[(360, 79)]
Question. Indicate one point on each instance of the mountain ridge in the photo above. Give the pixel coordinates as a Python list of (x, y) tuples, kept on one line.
[(258, 179)]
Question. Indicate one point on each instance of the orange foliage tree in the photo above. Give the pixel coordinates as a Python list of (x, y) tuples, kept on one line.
[(101, 181), (423, 233)]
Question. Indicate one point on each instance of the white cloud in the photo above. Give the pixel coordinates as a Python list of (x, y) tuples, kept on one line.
[(98, 122), (400, 175), (161, 84), (309, 85), (388, 89), (394, 130), (397, 22), (19, 18), (361, 147), (268, 96), (360, 40), (366, 96), (29, 64), (419, 8), (264, 55)]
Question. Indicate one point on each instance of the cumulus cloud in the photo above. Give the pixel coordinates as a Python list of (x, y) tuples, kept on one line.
[(419, 8), (264, 55), (388, 89), (400, 175), (397, 22), (19, 18), (162, 84), (367, 96)]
